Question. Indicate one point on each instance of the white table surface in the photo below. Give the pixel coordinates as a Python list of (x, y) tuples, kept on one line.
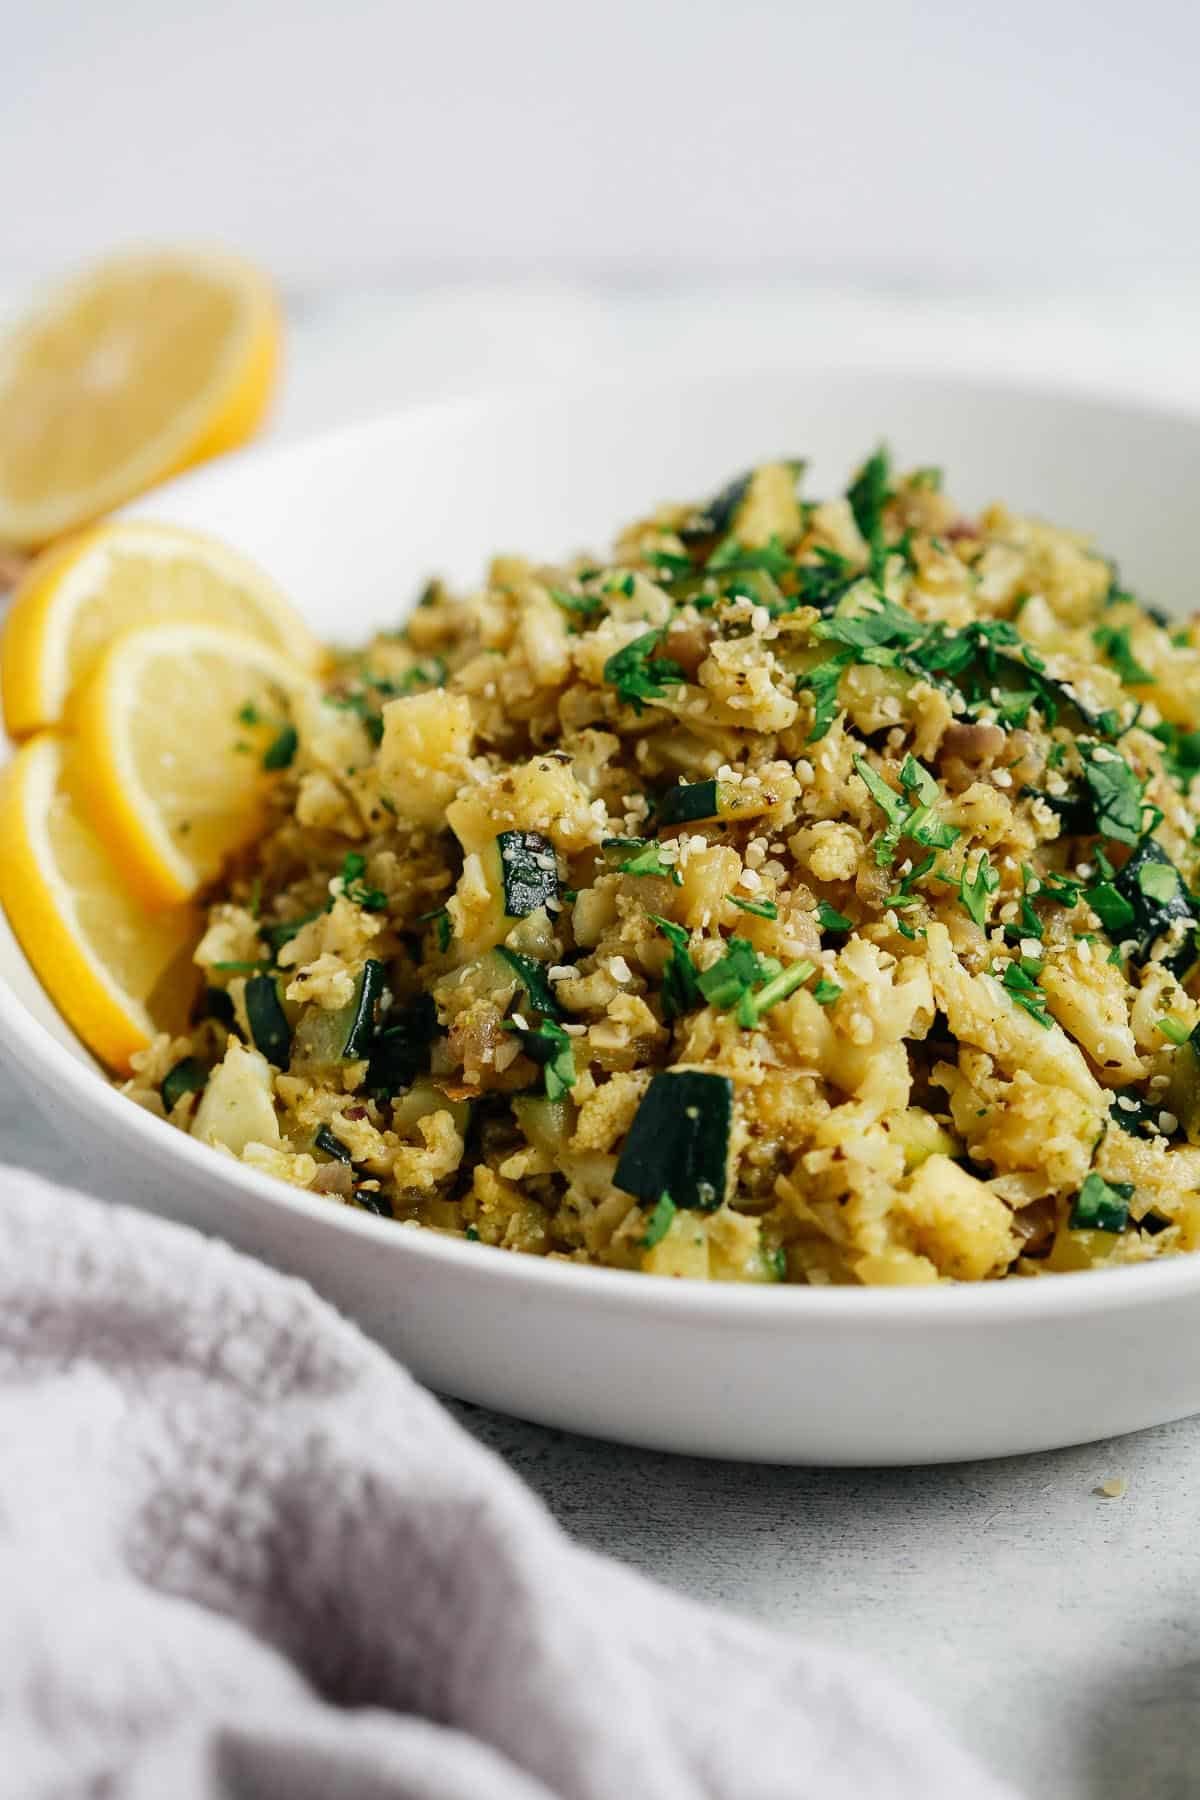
[(1057, 1630)]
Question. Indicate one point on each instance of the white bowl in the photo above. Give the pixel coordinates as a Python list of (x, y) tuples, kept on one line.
[(351, 523)]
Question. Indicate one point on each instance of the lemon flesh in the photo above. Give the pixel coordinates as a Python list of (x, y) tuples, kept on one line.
[(79, 596), (118, 973), (135, 369)]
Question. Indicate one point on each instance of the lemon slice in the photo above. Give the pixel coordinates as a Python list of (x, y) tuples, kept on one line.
[(133, 370), (116, 972), (180, 728), (77, 597)]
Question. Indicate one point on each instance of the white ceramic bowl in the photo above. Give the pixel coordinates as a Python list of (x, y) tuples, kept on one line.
[(351, 523)]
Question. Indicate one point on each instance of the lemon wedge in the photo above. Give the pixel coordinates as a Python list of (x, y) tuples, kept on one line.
[(116, 972), (80, 595), (135, 369), (181, 730)]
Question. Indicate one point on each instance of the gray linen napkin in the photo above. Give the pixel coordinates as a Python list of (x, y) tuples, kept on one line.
[(243, 1555)]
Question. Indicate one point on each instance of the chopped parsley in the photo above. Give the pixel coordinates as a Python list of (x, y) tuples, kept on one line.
[(281, 751), (749, 983), (659, 1222), (868, 494), (680, 990), (1110, 907), (731, 558), (822, 682), (1181, 752), (578, 606), (648, 861), (733, 976), (918, 820), (355, 889), (549, 1045), (880, 626), (891, 804), (830, 919), (1019, 979), (1116, 795), (1101, 1205), (821, 584), (1028, 925), (974, 889), (752, 1006), (638, 675), (762, 909), (1113, 641)]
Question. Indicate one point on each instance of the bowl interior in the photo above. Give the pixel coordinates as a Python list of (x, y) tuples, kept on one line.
[(352, 523)]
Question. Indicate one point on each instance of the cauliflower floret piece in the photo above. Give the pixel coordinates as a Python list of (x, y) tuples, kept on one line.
[(958, 1222), (238, 1106), (539, 795), (981, 1013), (423, 756), (1090, 999)]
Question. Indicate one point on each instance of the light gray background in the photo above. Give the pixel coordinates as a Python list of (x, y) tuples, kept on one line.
[(1014, 143)]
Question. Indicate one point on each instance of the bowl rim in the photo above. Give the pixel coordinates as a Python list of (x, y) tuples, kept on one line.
[(49, 1065)]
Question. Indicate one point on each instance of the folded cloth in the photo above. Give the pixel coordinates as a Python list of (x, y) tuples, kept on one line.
[(243, 1555)]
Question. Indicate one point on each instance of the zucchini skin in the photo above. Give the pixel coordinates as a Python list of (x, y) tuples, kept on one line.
[(331, 1145), (678, 1143), (1152, 919), (697, 800), (712, 799), (268, 1022), (526, 880), (532, 976), (219, 1006), (715, 519), (362, 1026), (187, 1077), (400, 1050)]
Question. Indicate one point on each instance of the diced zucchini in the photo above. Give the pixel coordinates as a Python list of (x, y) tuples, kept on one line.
[(756, 506), (546, 1123), (532, 976), (423, 1098), (268, 1021), (368, 990), (678, 1143), (1183, 1093), (218, 1005), (400, 1050), (372, 1202), (713, 800), (715, 519), (331, 1145), (696, 800), (1153, 888), (346, 1033), (523, 872), (187, 1077)]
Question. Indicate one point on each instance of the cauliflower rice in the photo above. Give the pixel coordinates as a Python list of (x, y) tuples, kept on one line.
[(801, 894)]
